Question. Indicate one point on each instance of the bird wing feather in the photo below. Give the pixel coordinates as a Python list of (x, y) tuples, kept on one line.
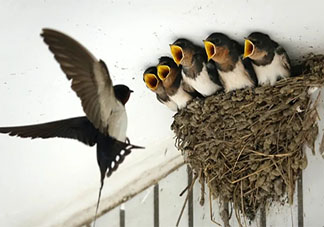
[(79, 128), (90, 78), (284, 58)]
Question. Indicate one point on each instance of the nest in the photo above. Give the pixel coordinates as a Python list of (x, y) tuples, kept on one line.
[(248, 145)]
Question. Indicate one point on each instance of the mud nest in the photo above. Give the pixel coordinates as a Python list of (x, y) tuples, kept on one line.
[(248, 145)]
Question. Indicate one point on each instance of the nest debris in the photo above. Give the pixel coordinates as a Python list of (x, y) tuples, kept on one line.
[(248, 145)]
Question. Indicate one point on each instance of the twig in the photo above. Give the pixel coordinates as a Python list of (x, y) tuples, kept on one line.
[(186, 200), (242, 178), (211, 209), (242, 204), (286, 181), (291, 184), (238, 157), (184, 190), (272, 155), (202, 188), (238, 218)]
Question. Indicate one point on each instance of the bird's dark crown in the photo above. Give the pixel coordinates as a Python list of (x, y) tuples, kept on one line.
[(228, 50), (259, 35), (262, 41), (151, 69), (164, 60), (219, 39), (183, 42), (186, 44), (122, 93)]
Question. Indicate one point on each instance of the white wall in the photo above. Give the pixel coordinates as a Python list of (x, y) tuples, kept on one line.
[(43, 181)]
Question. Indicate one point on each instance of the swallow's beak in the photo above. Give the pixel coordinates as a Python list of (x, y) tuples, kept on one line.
[(177, 53), (210, 49), (151, 81), (248, 48), (131, 91), (163, 71)]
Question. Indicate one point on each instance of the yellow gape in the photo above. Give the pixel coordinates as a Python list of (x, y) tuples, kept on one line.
[(177, 54), (248, 48), (210, 49), (151, 81), (163, 71)]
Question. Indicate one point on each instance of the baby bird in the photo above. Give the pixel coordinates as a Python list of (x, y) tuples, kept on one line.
[(234, 73), (170, 75), (197, 72), (270, 61), (154, 83)]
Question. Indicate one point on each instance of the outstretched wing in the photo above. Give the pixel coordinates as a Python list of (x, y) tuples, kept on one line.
[(90, 77), (79, 128)]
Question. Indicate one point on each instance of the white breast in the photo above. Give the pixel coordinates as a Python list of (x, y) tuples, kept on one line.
[(181, 97), (117, 123), (268, 74), (238, 78), (105, 93), (202, 83), (171, 105)]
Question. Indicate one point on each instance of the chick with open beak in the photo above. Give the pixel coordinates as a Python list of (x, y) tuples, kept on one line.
[(170, 75), (178, 54), (234, 72), (196, 71), (269, 60), (154, 83)]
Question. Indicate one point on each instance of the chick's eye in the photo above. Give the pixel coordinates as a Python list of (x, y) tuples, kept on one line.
[(257, 42), (217, 41)]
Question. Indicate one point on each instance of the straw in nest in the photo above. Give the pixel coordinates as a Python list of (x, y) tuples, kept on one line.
[(248, 145)]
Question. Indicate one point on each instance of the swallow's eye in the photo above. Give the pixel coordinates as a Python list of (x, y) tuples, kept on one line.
[(257, 42), (217, 41)]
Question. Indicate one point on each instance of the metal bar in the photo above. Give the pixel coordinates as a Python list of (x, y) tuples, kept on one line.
[(138, 184), (300, 200), (122, 216), (225, 213), (190, 199), (263, 215), (156, 206)]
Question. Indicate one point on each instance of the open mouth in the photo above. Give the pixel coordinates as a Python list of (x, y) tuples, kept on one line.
[(210, 49), (163, 71), (248, 48), (151, 81), (177, 54)]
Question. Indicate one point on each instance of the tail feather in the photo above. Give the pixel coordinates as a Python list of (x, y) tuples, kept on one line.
[(110, 154)]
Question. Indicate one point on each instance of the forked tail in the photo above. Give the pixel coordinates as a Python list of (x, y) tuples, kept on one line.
[(110, 154)]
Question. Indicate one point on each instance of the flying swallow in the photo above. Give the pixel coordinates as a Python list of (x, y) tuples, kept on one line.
[(175, 87), (196, 71), (106, 120), (154, 83), (270, 61), (234, 72)]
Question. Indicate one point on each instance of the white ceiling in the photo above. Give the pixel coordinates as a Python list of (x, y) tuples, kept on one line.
[(41, 178)]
